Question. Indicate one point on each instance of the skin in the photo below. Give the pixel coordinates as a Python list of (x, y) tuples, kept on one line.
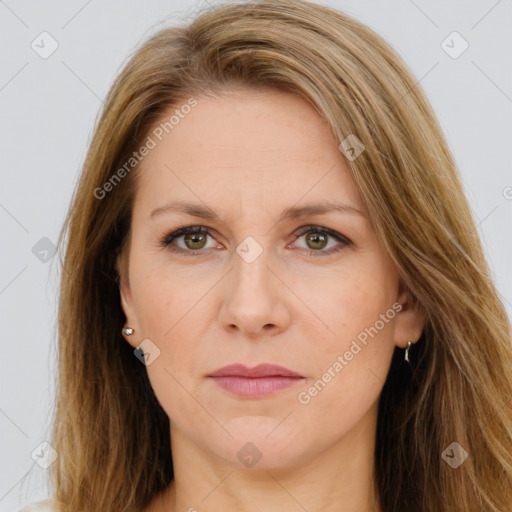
[(248, 155)]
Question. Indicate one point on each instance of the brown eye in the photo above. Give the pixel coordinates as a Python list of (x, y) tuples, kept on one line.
[(192, 240), (316, 240), (195, 240)]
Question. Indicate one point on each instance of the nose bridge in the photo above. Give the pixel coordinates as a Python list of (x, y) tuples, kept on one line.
[(252, 300), (252, 261)]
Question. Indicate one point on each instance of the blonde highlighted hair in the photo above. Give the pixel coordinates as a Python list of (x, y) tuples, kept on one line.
[(111, 434)]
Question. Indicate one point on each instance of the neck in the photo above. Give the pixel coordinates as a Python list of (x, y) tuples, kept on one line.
[(340, 479)]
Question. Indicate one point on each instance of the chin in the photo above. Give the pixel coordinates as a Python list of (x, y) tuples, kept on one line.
[(264, 449)]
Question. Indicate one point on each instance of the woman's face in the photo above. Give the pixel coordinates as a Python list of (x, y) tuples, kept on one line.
[(259, 171)]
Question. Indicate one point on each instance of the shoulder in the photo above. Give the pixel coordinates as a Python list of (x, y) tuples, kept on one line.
[(46, 505)]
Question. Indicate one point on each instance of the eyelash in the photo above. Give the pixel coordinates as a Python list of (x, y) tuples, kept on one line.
[(344, 241)]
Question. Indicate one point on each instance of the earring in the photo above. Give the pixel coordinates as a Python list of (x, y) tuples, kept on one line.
[(128, 331), (406, 356)]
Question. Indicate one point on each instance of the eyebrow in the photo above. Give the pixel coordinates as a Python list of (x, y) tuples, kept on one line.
[(293, 212)]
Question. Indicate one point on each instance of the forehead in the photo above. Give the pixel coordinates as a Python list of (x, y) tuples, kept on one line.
[(243, 149)]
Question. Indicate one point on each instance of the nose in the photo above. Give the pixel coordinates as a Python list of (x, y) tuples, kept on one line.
[(255, 298)]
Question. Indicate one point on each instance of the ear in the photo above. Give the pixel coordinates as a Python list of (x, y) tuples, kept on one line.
[(410, 320), (126, 296)]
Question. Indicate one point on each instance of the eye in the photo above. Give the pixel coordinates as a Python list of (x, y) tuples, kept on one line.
[(195, 239), (317, 239)]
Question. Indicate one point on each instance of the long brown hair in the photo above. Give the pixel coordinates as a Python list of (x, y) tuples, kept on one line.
[(111, 434)]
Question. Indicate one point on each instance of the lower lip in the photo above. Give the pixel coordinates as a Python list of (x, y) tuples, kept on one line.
[(256, 387)]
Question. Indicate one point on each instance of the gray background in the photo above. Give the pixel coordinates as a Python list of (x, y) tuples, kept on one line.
[(48, 110)]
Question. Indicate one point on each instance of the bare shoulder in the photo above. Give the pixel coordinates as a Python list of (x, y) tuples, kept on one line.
[(46, 505)]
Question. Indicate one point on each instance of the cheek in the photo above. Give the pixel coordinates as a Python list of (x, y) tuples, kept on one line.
[(163, 295), (348, 300), (173, 312), (352, 366), (173, 317), (170, 320), (349, 376)]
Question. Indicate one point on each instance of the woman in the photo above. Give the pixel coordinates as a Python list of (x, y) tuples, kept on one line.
[(273, 295)]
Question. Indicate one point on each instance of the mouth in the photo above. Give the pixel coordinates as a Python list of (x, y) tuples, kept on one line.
[(258, 382)]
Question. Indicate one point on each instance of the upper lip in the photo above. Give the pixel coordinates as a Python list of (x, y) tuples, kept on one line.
[(261, 370)]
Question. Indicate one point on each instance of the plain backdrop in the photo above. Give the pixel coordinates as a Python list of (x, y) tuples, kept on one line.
[(49, 105)]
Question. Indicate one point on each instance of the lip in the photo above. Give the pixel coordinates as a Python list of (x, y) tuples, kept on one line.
[(261, 370), (261, 381)]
